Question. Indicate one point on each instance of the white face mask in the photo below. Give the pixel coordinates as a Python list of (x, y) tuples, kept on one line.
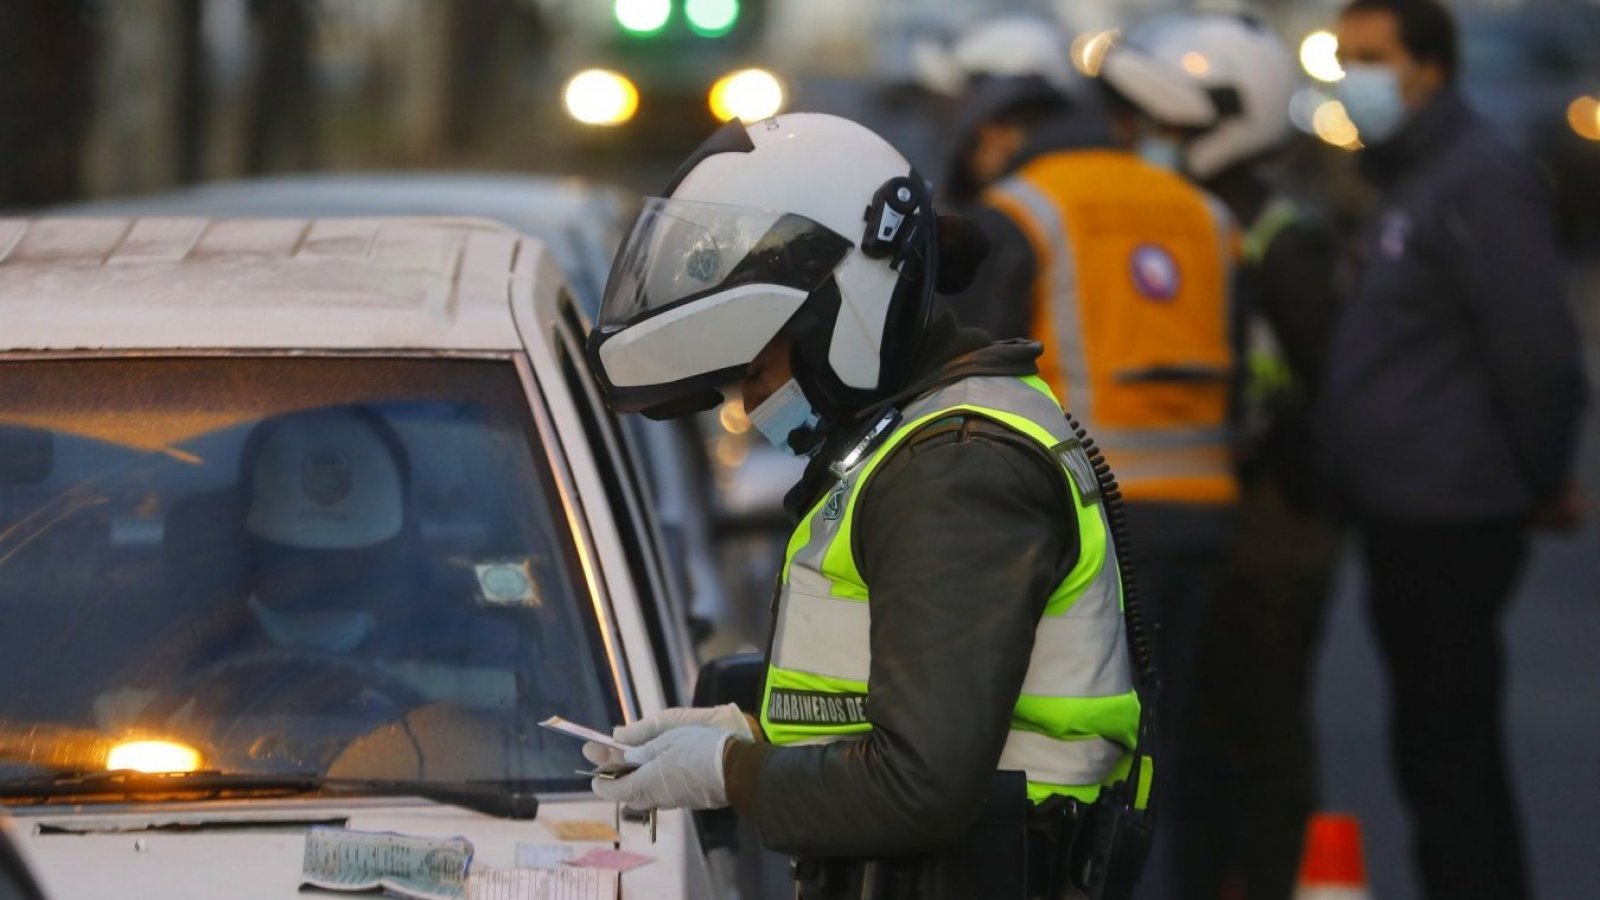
[(1371, 97), (331, 631), (784, 413)]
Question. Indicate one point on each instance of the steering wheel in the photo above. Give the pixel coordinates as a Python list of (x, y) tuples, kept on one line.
[(344, 697)]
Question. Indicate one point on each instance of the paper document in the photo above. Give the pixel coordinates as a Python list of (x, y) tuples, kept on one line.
[(616, 860), (423, 868), (493, 883), (573, 729), (544, 856), (582, 830)]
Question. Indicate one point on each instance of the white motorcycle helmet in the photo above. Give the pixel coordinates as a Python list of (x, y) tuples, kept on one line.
[(1167, 66), (805, 224), (1009, 46)]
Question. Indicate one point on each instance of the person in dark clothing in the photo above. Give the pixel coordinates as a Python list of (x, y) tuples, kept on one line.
[(1457, 360), (949, 661), (1241, 820)]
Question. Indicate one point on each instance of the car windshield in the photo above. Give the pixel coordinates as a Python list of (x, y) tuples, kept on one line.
[(357, 567)]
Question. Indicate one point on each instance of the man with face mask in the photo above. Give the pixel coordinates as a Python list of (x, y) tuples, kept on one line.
[(951, 688), (1452, 407)]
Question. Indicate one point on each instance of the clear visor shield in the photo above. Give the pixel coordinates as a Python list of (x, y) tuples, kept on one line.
[(678, 251)]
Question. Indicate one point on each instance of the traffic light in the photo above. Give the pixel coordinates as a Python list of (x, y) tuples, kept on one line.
[(711, 19), (644, 18)]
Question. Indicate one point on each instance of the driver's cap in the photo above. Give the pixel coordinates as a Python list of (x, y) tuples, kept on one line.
[(324, 480)]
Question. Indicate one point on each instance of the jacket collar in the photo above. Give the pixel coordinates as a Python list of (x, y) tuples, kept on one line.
[(950, 353), (1419, 140)]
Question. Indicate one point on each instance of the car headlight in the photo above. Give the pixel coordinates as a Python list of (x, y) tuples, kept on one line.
[(600, 97), (749, 95)]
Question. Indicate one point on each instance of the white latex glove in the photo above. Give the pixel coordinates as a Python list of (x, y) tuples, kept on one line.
[(681, 769), (726, 717)]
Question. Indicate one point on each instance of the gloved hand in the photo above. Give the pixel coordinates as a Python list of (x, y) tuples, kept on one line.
[(726, 717), (681, 769)]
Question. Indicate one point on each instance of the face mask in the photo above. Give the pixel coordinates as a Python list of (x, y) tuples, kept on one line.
[(784, 413), (1163, 152), (330, 631), (1371, 97)]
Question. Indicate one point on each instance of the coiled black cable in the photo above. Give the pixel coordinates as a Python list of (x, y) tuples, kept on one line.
[(1139, 644), (1140, 648)]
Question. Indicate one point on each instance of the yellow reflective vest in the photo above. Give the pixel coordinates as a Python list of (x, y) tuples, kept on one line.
[(1077, 718), (1131, 302)]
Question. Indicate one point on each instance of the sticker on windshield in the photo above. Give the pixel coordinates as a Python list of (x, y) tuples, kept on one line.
[(507, 583)]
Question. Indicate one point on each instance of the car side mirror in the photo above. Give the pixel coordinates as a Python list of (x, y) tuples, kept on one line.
[(736, 679)]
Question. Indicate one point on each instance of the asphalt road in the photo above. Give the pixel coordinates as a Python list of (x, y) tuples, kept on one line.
[(1553, 704)]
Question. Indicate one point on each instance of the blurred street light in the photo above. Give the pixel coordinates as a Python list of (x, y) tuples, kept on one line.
[(749, 95), (600, 97), (1332, 124), (153, 756), (643, 17), (1319, 55), (732, 417), (1584, 117), (1089, 50), (712, 18)]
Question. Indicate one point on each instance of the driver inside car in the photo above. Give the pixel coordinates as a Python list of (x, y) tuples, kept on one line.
[(330, 556), (324, 572)]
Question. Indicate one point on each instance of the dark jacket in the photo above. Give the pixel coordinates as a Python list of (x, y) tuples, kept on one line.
[(1455, 382), (1292, 278), (962, 535)]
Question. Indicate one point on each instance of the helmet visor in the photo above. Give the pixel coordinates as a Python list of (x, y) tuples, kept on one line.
[(679, 250)]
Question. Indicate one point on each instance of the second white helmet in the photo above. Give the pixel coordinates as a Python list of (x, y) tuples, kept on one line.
[(1169, 64)]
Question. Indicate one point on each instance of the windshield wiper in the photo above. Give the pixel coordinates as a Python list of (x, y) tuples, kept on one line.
[(501, 799), (505, 800)]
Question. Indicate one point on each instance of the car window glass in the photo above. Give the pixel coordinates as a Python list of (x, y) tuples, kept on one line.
[(346, 565)]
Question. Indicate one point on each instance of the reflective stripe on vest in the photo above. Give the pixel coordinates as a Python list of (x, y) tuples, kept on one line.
[(1077, 713), (1144, 362)]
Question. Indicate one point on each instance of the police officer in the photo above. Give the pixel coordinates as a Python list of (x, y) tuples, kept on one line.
[(1121, 268), (1255, 784), (951, 691)]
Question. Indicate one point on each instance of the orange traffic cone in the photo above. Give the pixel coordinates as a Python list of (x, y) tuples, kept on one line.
[(1332, 867)]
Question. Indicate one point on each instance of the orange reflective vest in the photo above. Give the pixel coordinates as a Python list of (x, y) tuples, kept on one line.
[(1132, 303)]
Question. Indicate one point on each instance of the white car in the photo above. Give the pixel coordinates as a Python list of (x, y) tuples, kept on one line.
[(307, 524)]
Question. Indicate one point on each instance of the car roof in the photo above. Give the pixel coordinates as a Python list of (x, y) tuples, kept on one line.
[(580, 221), (159, 283)]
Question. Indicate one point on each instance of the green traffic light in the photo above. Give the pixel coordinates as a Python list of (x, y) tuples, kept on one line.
[(642, 17), (711, 18)]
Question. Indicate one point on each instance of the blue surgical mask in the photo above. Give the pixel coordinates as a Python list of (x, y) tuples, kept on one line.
[(784, 413), (1371, 97), (1163, 152)]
